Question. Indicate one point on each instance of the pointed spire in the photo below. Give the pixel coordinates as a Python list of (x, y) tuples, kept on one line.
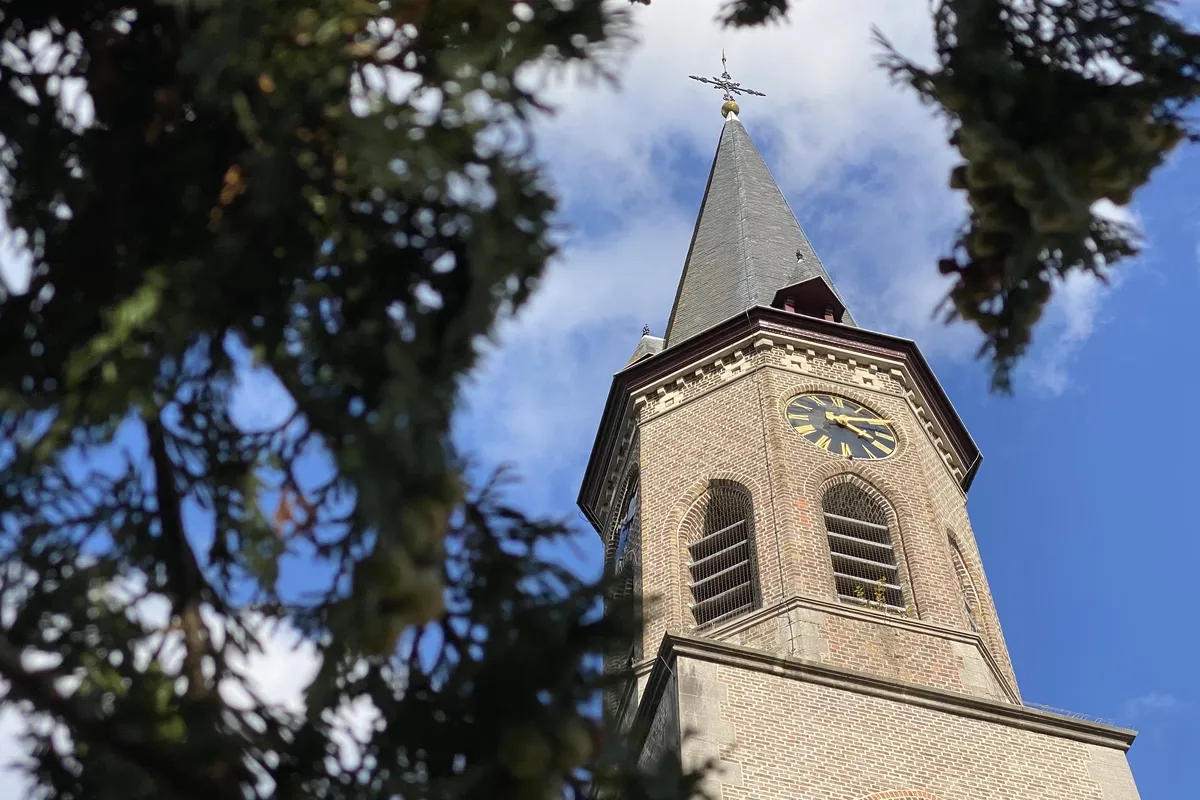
[(747, 244)]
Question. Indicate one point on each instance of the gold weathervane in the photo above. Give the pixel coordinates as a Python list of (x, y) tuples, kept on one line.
[(726, 84)]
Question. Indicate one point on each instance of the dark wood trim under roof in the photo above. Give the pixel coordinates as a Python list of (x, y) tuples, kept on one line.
[(766, 320)]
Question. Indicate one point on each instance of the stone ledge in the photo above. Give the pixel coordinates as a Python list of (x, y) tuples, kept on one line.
[(862, 615), (731, 655)]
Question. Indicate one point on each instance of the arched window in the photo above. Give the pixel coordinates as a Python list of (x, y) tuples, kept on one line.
[(969, 595), (864, 560), (723, 570)]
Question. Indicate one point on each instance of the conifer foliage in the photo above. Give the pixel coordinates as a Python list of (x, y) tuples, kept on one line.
[(337, 195), (1054, 105)]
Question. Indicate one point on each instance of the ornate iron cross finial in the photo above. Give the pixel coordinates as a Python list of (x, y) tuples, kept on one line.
[(726, 84)]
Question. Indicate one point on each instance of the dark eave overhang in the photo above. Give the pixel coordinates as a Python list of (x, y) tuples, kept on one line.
[(766, 320)]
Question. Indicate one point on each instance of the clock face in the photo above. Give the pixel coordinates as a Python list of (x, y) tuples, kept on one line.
[(841, 427), (633, 504)]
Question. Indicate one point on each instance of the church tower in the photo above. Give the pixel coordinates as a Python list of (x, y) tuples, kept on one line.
[(787, 490)]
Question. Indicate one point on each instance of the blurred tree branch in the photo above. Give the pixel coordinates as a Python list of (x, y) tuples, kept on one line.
[(1053, 107), (340, 197)]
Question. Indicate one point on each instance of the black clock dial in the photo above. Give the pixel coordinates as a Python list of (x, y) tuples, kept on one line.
[(841, 427), (633, 503)]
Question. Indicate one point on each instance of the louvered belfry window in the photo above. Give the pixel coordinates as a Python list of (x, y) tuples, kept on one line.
[(864, 561), (722, 569)]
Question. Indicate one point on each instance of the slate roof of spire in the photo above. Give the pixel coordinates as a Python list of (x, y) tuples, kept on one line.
[(747, 243)]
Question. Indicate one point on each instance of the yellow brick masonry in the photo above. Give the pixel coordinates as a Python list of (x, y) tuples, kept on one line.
[(810, 696), (726, 421), (799, 736)]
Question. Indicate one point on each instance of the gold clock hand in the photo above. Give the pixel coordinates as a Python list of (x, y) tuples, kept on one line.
[(862, 434), (844, 421), (868, 420)]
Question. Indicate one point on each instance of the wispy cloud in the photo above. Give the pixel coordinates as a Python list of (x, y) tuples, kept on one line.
[(862, 162), (1198, 261), (1152, 704), (1074, 314), (1069, 322), (537, 399)]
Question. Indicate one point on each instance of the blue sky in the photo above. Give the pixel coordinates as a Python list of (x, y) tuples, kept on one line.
[(1080, 506)]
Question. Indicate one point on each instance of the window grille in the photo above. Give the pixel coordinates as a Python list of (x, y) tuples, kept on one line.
[(969, 595), (864, 561), (723, 571)]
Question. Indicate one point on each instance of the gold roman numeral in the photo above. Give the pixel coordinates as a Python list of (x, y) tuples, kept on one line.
[(794, 415), (824, 441), (870, 454), (816, 400), (883, 447), (845, 449), (837, 401), (804, 429), (883, 435)]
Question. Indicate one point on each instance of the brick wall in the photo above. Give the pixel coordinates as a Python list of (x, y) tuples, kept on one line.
[(890, 646), (725, 419), (663, 736), (810, 697), (773, 736)]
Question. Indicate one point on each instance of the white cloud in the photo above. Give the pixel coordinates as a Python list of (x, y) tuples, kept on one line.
[(15, 263), (278, 674), (75, 108), (1067, 324), (1152, 703), (827, 103), (1198, 260), (862, 163), (12, 728), (1073, 316), (540, 391)]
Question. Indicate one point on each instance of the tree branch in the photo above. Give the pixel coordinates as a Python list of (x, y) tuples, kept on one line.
[(86, 723), (189, 582)]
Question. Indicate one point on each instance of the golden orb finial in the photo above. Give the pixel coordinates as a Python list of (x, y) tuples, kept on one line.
[(730, 107)]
